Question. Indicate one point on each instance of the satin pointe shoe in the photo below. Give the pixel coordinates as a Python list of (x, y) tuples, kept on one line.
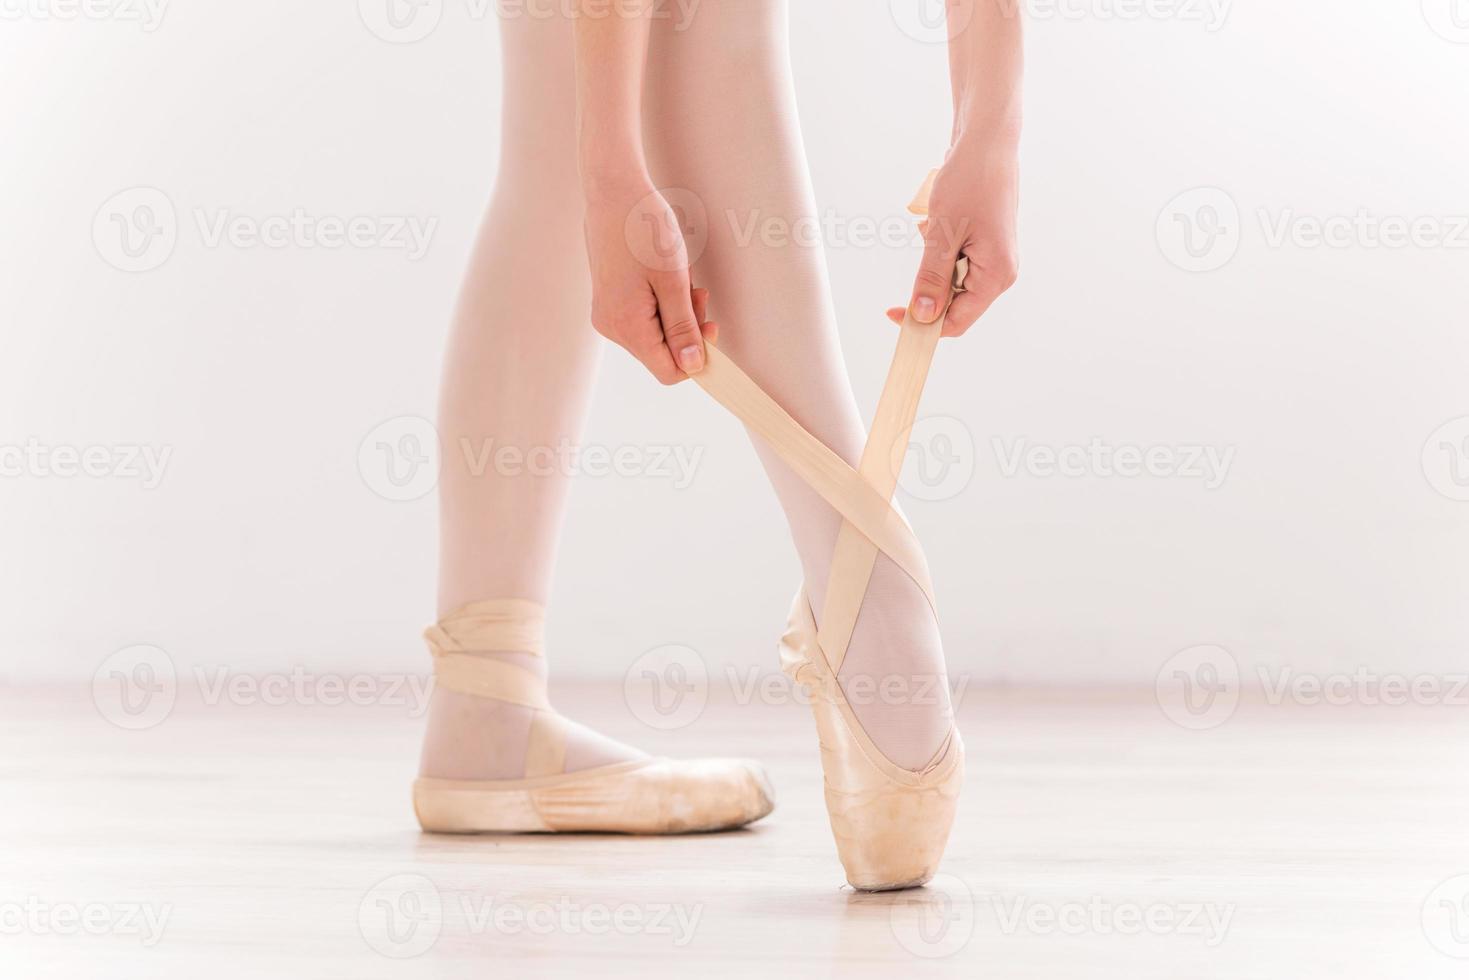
[(641, 796), (890, 824)]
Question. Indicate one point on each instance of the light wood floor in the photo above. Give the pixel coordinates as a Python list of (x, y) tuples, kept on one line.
[(1290, 842)]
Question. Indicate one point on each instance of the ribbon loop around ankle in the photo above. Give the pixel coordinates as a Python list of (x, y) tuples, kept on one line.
[(460, 641), (493, 626)]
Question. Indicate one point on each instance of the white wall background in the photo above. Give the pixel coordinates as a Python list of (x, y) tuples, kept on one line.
[(1334, 540)]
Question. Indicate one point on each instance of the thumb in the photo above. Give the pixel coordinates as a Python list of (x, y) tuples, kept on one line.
[(680, 324), (935, 274)]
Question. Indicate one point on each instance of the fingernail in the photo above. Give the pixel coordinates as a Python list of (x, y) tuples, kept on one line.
[(691, 359), (926, 310)]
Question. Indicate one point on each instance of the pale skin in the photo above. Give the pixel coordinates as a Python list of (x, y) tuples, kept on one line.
[(652, 312)]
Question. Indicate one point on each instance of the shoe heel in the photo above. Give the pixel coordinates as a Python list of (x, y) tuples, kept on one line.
[(445, 806)]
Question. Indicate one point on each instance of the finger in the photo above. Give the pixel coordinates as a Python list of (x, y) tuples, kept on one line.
[(680, 326), (935, 273), (710, 332), (701, 305), (898, 314), (983, 285), (653, 353)]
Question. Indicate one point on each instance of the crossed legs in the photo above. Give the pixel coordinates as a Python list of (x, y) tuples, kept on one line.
[(721, 124)]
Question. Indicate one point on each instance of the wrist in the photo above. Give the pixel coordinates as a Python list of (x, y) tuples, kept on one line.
[(604, 180), (611, 163), (986, 129)]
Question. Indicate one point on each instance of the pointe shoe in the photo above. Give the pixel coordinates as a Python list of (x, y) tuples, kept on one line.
[(890, 824), (641, 796)]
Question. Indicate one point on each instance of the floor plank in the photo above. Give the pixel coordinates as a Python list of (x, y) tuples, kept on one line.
[(1096, 839)]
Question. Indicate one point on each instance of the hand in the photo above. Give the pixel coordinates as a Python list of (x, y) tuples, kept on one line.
[(641, 295), (970, 213)]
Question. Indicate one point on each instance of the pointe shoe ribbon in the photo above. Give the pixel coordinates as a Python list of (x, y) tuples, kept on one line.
[(641, 796), (891, 824)]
